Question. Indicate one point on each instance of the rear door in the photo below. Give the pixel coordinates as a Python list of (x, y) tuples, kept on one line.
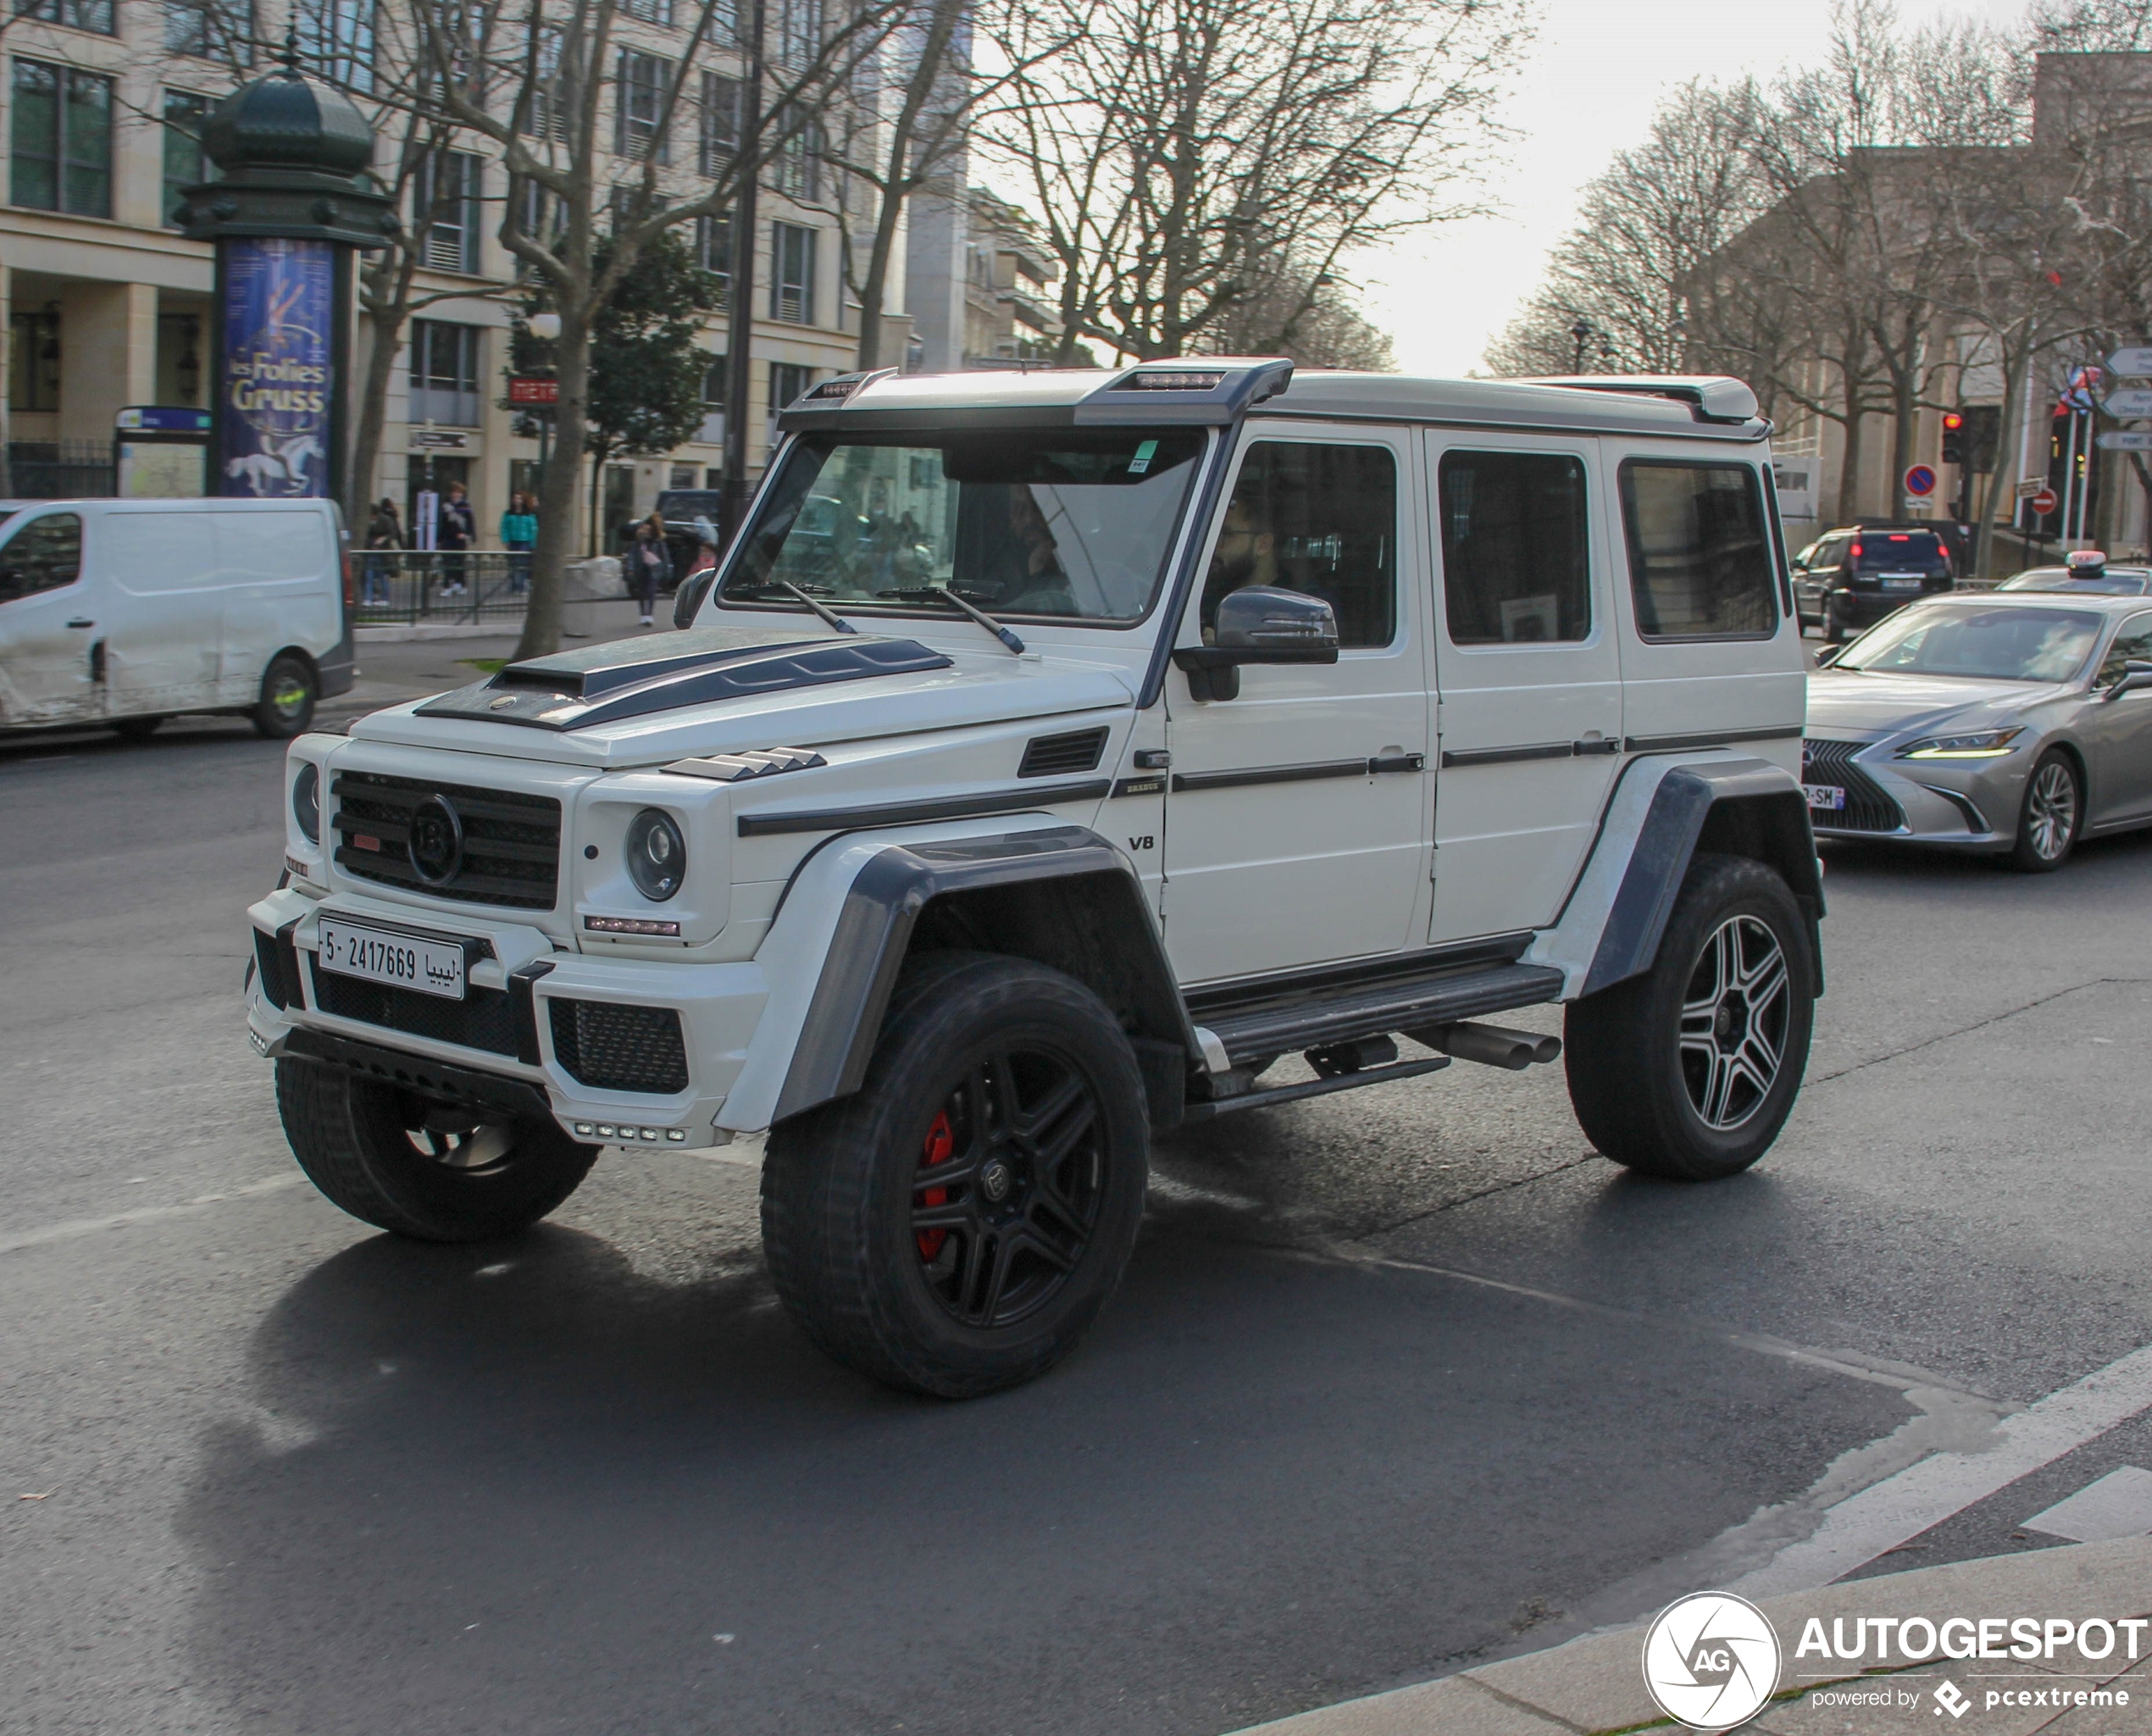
[(1529, 676), (50, 624), (281, 580)]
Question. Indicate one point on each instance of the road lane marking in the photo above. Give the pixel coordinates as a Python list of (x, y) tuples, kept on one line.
[(73, 1228), (1899, 1508)]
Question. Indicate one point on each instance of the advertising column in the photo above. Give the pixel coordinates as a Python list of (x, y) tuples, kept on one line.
[(277, 367)]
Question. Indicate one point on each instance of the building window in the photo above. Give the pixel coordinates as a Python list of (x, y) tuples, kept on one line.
[(799, 157), (542, 214), (62, 139), (786, 383), (645, 78), (791, 277), (720, 123), (34, 365), (714, 380), (445, 372), (799, 31), (215, 29), (547, 116), (444, 210), (186, 164), (336, 40), (76, 15), (656, 12), (714, 253)]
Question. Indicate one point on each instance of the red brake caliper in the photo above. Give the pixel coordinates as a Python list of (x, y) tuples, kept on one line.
[(940, 1147)]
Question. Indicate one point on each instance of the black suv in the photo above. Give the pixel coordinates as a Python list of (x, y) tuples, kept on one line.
[(1849, 578), (680, 507)]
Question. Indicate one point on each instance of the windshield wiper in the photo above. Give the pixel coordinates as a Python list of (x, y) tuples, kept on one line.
[(935, 594), (830, 615)]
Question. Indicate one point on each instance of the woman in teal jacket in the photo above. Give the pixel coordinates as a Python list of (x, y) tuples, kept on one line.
[(518, 536)]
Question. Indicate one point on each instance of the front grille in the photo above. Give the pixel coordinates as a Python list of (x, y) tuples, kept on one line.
[(483, 1019), (612, 1048), (511, 842), (1868, 807), (1047, 755)]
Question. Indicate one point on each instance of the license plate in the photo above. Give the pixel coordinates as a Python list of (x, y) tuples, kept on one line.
[(1825, 796), (1913, 583), (430, 967)]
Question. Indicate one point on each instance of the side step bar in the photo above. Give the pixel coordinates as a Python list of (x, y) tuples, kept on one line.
[(1312, 1088), (1436, 1002)]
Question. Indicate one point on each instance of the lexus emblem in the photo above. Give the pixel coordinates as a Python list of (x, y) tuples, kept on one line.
[(436, 844)]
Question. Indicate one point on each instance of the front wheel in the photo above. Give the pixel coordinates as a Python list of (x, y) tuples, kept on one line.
[(954, 1227), (425, 1170), (289, 690), (2050, 817), (1688, 1071)]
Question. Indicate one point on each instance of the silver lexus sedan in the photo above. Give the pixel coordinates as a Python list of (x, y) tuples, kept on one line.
[(2005, 723)]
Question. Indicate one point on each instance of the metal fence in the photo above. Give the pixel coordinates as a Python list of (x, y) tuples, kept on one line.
[(412, 586), (58, 470)]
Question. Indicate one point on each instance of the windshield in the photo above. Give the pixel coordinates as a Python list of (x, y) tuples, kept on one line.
[(1992, 644), (1898, 552), (2115, 582), (1063, 523)]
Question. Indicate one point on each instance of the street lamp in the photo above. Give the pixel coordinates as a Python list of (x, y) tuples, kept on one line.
[(1581, 331), (544, 326)]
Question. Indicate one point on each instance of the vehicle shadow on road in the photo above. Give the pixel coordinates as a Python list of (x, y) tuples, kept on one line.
[(524, 1486)]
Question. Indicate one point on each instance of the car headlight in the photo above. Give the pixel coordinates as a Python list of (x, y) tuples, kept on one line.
[(305, 801), (656, 855), (1984, 743)]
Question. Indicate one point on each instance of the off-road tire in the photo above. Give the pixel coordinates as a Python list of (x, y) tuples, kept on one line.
[(289, 692), (841, 1182), (2026, 854), (1630, 1077), (351, 1136)]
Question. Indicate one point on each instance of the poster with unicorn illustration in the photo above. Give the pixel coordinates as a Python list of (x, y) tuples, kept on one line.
[(278, 380)]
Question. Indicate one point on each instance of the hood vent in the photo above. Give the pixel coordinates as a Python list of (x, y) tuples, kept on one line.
[(1056, 755)]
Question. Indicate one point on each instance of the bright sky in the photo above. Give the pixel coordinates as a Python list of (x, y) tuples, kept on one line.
[(1588, 90)]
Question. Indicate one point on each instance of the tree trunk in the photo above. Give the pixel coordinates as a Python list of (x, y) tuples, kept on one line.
[(1905, 427), (1850, 463), (2009, 442), (374, 405), (896, 183), (542, 623)]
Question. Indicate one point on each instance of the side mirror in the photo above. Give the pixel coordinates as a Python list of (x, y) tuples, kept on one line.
[(1260, 623), (687, 600), (1830, 655), (2136, 676)]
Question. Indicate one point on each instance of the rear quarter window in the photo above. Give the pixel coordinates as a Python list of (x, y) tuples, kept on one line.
[(1700, 550)]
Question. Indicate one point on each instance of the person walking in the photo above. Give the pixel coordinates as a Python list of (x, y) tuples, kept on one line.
[(519, 535), (650, 566), (457, 532), (384, 531)]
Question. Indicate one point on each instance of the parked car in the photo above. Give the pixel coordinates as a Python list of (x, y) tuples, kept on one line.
[(128, 612), (683, 511), (1852, 577), (963, 875), (2085, 572), (2005, 723)]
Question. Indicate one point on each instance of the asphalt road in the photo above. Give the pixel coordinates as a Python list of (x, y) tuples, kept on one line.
[(1400, 1380)]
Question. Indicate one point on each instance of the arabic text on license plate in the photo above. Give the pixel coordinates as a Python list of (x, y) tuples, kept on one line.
[(1825, 796), (430, 967)]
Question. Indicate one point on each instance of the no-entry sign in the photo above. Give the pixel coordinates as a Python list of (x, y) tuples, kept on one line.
[(2043, 503), (1920, 481)]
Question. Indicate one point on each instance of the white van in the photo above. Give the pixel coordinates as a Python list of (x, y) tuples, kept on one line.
[(128, 612)]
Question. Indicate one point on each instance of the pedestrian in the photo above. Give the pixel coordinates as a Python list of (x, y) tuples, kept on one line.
[(384, 531), (649, 566), (458, 531), (518, 536)]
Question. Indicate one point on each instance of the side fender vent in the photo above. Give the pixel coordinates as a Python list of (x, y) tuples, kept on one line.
[(1056, 755)]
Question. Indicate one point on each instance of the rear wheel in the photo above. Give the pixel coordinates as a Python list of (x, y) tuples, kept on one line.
[(421, 1169), (2051, 817), (289, 690), (954, 1227), (1688, 1071)]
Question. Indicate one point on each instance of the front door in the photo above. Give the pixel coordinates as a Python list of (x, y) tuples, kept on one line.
[(1529, 676), (1296, 814), (2118, 733), (50, 634)]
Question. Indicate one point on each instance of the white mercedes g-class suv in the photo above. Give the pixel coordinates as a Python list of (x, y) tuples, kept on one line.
[(1051, 756)]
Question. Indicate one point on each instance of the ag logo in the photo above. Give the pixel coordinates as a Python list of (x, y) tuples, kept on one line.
[(1711, 1661)]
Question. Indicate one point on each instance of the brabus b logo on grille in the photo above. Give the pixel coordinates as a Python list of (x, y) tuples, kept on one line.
[(436, 845)]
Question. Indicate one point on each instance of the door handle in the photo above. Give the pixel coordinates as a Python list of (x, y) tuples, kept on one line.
[(1397, 763), (79, 622), (1610, 744)]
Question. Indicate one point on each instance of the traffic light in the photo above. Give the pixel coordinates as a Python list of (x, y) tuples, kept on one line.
[(1954, 445)]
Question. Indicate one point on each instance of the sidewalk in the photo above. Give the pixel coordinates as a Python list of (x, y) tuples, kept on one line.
[(394, 669), (1595, 1684)]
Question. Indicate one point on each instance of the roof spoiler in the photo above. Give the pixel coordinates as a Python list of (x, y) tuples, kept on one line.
[(1710, 397)]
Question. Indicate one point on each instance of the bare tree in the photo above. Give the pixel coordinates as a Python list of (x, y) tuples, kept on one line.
[(1291, 310)]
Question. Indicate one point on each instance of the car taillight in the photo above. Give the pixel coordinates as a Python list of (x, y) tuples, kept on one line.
[(1857, 551)]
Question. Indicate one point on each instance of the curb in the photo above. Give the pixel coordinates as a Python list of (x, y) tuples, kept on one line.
[(400, 633), (1593, 1685)]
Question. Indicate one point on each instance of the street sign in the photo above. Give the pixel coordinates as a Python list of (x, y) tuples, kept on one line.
[(2136, 363), (2131, 441), (2132, 401), (527, 389), (2030, 485), (1920, 481), (2043, 503)]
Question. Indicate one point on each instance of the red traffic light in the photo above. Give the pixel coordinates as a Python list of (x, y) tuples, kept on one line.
[(1952, 421)]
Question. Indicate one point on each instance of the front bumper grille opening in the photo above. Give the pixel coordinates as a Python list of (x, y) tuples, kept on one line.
[(1868, 807), (511, 841), (483, 1019), (613, 1048)]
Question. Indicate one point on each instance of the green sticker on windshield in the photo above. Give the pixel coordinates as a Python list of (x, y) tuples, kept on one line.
[(1141, 462)]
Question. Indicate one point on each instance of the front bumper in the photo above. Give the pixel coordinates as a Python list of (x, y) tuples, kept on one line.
[(1967, 804), (505, 1029)]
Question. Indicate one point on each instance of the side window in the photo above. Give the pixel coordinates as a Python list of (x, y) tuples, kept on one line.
[(1321, 519), (1516, 548), (1699, 551), (2134, 639), (45, 554)]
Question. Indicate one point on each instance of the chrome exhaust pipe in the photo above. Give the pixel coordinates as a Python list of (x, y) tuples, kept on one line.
[(1490, 1045)]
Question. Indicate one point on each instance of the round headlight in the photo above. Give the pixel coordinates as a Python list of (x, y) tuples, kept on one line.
[(656, 855), (305, 801)]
